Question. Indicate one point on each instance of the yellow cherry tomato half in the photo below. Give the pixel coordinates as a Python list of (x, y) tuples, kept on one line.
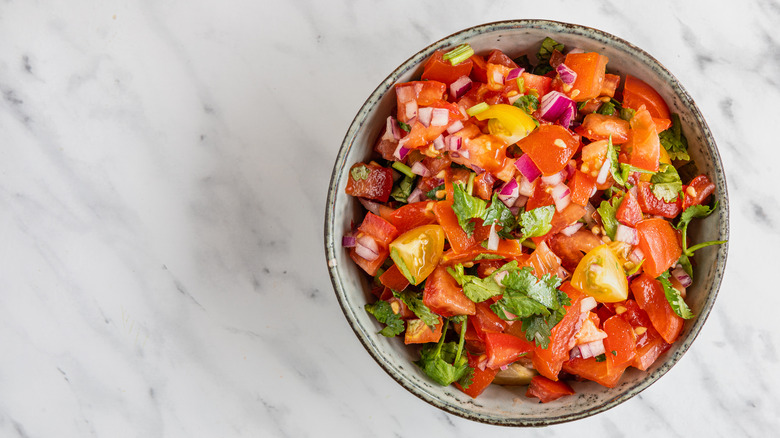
[(601, 275), (418, 251), (508, 122)]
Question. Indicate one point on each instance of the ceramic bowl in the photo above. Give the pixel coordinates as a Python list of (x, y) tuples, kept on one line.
[(507, 405)]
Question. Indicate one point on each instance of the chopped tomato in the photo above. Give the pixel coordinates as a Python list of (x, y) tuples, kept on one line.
[(418, 251), (370, 266), (600, 127), (459, 240), (548, 361), (659, 244), (637, 93), (620, 344), (540, 198), (643, 145), (419, 333), (582, 186), (594, 370), (412, 95), (481, 378), (486, 151), (629, 212), (483, 186), (571, 249), (394, 279), (590, 68), (503, 349), (486, 321), (610, 85), (381, 230), (413, 215), (648, 352), (370, 181), (542, 84), (550, 147), (507, 249), (543, 261), (697, 191), (650, 296), (479, 69), (495, 76), (444, 296), (547, 390), (499, 57), (437, 69), (652, 205), (562, 219)]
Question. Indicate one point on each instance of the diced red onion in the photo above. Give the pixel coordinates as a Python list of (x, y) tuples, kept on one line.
[(604, 171), (587, 304), (514, 73), (417, 88), (571, 167), (492, 238), (589, 211), (411, 109), (562, 196), (553, 180), (627, 234), (567, 75), (592, 349), (405, 94), (500, 276), (636, 256), (465, 154), (571, 229), (419, 168), (498, 77), (513, 99), (576, 50), (521, 200), (528, 168), (456, 126), (401, 151), (478, 170), (417, 195), (504, 367), (438, 143), (441, 117), (508, 193), (568, 116), (562, 273), (348, 241), (424, 116), (371, 206), (460, 87), (366, 247), (556, 105), (575, 353), (527, 188), (682, 276), (516, 209), (392, 130), (453, 142)]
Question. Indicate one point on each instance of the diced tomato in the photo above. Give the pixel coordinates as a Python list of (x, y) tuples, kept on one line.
[(550, 147), (507, 248), (373, 181), (540, 198), (620, 344), (370, 266), (649, 295), (600, 127), (416, 94), (542, 84), (648, 352), (479, 69), (702, 188), (547, 390), (637, 93), (381, 230), (610, 85), (589, 331), (386, 148), (548, 361), (444, 296), (656, 206), (437, 69), (543, 261), (571, 249), (498, 57), (483, 186), (459, 240), (419, 333), (643, 145), (590, 68), (629, 212), (582, 186), (495, 76), (593, 370), (659, 244), (485, 320), (486, 151), (661, 124), (412, 216), (503, 349), (394, 279), (561, 220), (481, 379)]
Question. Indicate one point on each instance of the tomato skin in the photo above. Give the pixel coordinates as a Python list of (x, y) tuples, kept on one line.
[(582, 187), (548, 361), (486, 321), (649, 295), (381, 230), (437, 69), (562, 219), (376, 186), (481, 379), (637, 93), (412, 216), (658, 242), (648, 352), (542, 84), (590, 369), (651, 205), (479, 69), (629, 212), (543, 261), (503, 349), (418, 251), (610, 85), (394, 279), (643, 145), (498, 57), (571, 249), (419, 333), (703, 188), (547, 390), (590, 68), (486, 151), (600, 127), (419, 93), (620, 340), (548, 156), (370, 266), (445, 216), (483, 186), (444, 296)]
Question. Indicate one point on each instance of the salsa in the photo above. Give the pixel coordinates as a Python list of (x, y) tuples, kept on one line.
[(527, 224)]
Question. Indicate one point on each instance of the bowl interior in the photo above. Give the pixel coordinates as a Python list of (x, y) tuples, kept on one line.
[(506, 405)]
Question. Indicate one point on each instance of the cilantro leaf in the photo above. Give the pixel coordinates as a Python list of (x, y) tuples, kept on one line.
[(694, 211), (627, 114), (606, 108), (499, 213), (549, 45), (614, 164), (528, 103), (404, 126), (416, 305), (601, 357), (444, 362), (466, 208), (403, 189), (383, 312), (666, 183), (690, 213), (607, 211), (674, 141), (542, 290), (432, 192), (536, 222), (674, 298), (537, 330), (475, 288)]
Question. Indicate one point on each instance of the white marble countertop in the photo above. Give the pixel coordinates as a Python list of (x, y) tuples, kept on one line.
[(162, 187)]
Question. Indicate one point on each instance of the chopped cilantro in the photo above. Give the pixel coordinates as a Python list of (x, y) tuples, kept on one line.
[(466, 208), (432, 193), (607, 108), (607, 211), (690, 213), (674, 298), (479, 289), (601, 357), (383, 313), (614, 164), (404, 126), (549, 45), (360, 172), (627, 114), (674, 141), (500, 214), (528, 103), (444, 362), (614, 353), (536, 222), (523, 62), (416, 305), (403, 189), (666, 183)]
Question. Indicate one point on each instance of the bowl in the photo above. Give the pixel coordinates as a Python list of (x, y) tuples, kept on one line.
[(506, 405)]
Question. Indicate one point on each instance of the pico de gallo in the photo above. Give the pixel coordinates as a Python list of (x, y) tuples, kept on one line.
[(527, 223)]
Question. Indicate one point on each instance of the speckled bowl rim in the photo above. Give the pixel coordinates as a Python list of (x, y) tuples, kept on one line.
[(332, 241)]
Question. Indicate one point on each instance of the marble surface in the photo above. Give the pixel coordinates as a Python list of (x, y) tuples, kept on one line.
[(163, 171)]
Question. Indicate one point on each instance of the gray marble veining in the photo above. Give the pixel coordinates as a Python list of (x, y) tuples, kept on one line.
[(162, 186)]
